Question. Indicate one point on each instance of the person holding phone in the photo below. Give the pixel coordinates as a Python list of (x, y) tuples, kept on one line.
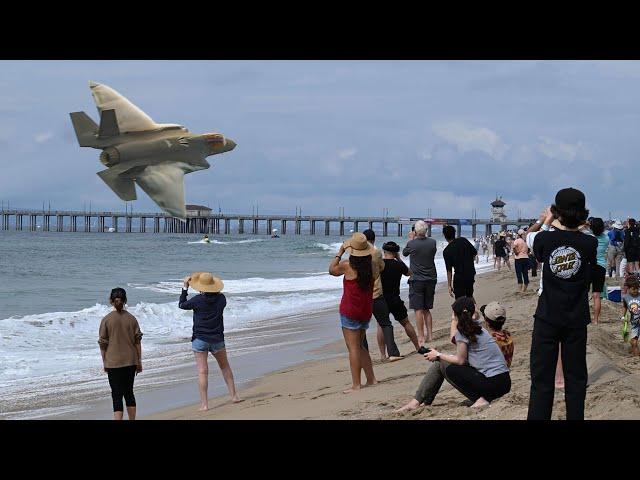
[(119, 340), (208, 331)]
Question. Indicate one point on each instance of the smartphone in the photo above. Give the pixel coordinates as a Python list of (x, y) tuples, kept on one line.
[(413, 228)]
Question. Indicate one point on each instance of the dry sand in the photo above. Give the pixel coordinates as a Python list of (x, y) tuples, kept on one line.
[(313, 390)]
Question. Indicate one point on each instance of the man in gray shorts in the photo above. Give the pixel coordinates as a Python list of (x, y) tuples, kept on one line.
[(421, 251)]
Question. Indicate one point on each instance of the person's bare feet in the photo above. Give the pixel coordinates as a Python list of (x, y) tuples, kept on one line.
[(203, 408), (412, 405), (237, 399), (370, 383), (480, 403), (353, 389), (395, 359)]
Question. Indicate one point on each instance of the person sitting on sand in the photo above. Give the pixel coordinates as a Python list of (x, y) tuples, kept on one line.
[(478, 369), (356, 305), (631, 304), (494, 317), (121, 352), (208, 331), (391, 276)]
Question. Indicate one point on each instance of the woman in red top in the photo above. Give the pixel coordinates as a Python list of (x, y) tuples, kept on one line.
[(356, 306)]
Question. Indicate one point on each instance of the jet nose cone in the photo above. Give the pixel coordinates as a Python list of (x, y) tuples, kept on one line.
[(230, 145)]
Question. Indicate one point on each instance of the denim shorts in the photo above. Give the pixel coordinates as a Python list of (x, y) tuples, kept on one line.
[(353, 324), (198, 345)]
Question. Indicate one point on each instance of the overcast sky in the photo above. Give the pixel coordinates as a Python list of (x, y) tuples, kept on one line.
[(406, 136)]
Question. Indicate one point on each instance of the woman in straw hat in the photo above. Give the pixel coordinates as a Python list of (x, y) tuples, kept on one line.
[(356, 306), (208, 330)]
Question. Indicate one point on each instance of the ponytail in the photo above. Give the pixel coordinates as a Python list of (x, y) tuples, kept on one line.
[(464, 308), (118, 298)]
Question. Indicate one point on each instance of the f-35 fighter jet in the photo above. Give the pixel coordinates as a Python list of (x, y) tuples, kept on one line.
[(136, 149)]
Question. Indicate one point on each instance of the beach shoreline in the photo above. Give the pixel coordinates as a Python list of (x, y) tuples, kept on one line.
[(313, 389)]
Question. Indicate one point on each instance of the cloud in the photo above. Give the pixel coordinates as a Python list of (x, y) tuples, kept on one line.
[(468, 139), (43, 137), (347, 153), (559, 150)]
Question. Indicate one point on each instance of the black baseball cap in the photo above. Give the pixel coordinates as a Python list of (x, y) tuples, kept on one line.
[(392, 247), (570, 199)]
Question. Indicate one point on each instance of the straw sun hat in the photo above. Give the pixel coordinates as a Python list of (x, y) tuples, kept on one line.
[(205, 282), (358, 246)]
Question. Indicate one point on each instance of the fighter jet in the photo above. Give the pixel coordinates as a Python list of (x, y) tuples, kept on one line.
[(136, 149)]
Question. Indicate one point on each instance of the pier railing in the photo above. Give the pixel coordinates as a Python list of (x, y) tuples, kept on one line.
[(228, 223)]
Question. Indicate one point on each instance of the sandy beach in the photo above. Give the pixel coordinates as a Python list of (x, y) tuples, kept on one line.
[(313, 390)]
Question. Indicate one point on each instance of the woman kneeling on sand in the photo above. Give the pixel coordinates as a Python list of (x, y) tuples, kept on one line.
[(208, 330), (356, 306), (478, 369)]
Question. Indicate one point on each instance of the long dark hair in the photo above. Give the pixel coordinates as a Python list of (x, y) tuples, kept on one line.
[(464, 308), (118, 298), (597, 226), (362, 266)]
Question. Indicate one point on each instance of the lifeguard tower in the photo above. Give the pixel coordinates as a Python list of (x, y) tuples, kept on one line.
[(497, 210)]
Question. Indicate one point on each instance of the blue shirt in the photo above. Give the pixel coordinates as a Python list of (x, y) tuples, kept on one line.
[(612, 234), (207, 315)]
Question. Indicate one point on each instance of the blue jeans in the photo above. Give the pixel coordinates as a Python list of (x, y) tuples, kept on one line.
[(522, 270), (198, 345), (353, 324)]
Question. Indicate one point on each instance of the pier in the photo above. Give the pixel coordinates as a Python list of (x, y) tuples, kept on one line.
[(226, 224)]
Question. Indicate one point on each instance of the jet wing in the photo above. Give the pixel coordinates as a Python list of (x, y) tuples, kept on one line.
[(130, 118), (164, 183)]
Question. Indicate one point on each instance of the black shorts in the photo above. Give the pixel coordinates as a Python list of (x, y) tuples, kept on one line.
[(396, 308), (463, 288), (632, 254), (597, 281), (421, 294)]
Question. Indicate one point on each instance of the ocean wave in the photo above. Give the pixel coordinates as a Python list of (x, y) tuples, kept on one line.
[(316, 281), (231, 242)]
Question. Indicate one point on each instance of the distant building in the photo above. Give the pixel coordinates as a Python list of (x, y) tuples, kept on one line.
[(497, 210), (198, 211)]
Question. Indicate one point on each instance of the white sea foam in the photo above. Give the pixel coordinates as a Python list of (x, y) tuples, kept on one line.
[(53, 352), (220, 242)]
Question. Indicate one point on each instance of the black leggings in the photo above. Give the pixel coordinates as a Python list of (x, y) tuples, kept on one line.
[(522, 265), (473, 384), (121, 382)]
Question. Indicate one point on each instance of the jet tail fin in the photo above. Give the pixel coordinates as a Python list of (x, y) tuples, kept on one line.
[(85, 128), (121, 185), (108, 124)]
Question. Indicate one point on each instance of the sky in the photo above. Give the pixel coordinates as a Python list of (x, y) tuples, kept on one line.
[(365, 136)]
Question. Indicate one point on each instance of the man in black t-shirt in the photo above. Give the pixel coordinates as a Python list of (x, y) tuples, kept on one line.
[(394, 269), (459, 256), (562, 315)]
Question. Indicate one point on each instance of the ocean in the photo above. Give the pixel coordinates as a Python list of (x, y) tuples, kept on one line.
[(54, 290)]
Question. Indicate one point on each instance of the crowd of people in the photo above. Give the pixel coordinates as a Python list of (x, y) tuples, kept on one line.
[(573, 252)]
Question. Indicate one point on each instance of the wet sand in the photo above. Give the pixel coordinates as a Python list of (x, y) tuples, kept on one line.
[(313, 390)]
